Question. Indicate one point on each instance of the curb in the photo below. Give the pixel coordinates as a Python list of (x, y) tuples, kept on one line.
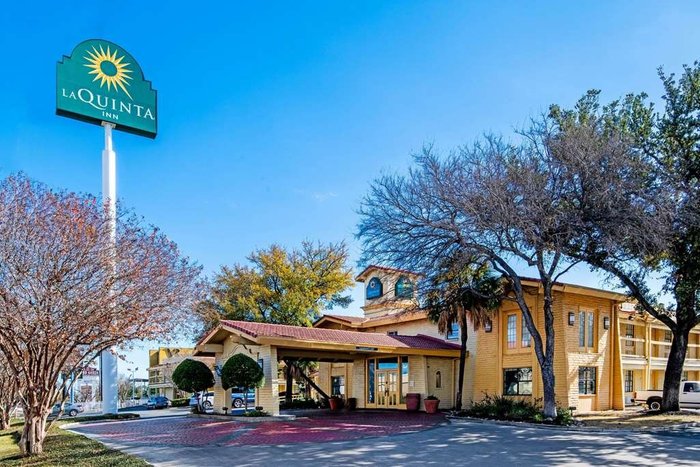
[(234, 418), (583, 429)]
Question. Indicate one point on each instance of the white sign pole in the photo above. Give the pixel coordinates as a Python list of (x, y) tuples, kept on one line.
[(110, 401)]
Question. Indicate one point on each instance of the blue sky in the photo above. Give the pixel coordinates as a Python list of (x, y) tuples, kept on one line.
[(275, 116)]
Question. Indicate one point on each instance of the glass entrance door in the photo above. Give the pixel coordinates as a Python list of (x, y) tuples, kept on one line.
[(387, 388)]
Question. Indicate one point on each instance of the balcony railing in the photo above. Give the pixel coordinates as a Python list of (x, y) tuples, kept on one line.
[(632, 346), (660, 349)]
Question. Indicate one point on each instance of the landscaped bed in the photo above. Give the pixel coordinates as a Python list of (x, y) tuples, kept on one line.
[(62, 447), (495, 407), (636, 418)]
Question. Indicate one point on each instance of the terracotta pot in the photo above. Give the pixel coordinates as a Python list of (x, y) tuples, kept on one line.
[(334, 403), (412, 401), (431, 405)]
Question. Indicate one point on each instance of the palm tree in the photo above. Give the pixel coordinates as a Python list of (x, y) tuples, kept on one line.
[(460, 294)]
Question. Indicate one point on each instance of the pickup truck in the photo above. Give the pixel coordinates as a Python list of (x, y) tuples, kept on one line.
[(689, 396)]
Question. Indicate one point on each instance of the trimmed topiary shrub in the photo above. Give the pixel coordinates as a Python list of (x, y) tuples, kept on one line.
[(193, 376), (180, 402), (242, 371)]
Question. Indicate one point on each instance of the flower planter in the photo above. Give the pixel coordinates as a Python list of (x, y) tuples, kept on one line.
[(412, 401), (352, 404), (431, 405), (335, 404)]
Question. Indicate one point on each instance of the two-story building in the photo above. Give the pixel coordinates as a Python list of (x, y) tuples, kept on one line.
[(393, 349), (162, 362)]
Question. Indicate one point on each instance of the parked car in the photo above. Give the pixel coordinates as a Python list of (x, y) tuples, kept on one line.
[(68, 409), (158, 402), (207, 399), (689, 398), (237, 397)]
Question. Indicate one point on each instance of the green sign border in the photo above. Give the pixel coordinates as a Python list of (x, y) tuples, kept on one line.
[(98, 121)]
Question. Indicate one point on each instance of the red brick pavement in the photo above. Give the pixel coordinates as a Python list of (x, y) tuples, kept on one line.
[(317, 428)]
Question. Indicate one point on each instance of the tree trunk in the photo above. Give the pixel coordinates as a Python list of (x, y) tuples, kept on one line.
[(245, 399), (290, 383), (674, 371), (545, 356), (462, 363), (33, 433), (549, 399), (5, 418)]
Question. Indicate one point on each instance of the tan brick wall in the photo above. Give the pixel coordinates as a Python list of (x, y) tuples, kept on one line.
[(493, 355), (266, 396), (446, 392)]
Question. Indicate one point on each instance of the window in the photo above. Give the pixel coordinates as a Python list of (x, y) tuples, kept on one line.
[(393, 333), (511, 331), (525, 333), (404, 379), (586, 329), (629, 381), (403, 288), (667, 336), (691, 387), (370, 381), (374, 289), (684, 376), (586, 380), (453, 333), (337, 385), (517, 382), (438, 380), (629, 333)]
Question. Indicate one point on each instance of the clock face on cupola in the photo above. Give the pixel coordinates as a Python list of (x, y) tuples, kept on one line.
[(374, 288)]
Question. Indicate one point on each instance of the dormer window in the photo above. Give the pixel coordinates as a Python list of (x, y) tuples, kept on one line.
[(374, 288), (404, 288)]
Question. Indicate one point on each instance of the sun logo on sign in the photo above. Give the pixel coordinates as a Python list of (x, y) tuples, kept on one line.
[(109, 69)]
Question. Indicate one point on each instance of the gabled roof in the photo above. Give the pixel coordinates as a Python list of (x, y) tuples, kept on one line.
[(578, 289), (373, 267), (343, 319), (263, 332), (360, 322)]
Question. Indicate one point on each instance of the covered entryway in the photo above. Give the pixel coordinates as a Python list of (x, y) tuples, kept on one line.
[(378, 370)]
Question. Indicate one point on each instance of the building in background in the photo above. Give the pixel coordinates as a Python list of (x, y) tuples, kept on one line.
[(162, 363)]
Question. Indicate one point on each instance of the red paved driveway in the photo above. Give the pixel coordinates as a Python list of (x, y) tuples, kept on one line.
[(184, 431)]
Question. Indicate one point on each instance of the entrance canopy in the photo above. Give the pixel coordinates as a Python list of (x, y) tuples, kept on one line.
[(329, 345)]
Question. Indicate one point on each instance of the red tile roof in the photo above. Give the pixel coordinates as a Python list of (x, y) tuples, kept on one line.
[(347, 319), (334, 336)]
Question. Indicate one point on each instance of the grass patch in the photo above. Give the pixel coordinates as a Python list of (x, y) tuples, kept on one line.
[(64, 448), (636, 418)]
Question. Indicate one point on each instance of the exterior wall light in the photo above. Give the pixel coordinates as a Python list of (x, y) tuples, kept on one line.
[(572, 318), (606, 322), (488, 326)]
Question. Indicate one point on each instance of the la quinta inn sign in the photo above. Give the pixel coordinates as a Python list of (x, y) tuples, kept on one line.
[(101, 82)]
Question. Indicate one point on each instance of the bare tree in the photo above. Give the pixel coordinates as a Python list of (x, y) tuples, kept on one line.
[(494, 202), (9, 393), (640, 207), (62, 300)]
